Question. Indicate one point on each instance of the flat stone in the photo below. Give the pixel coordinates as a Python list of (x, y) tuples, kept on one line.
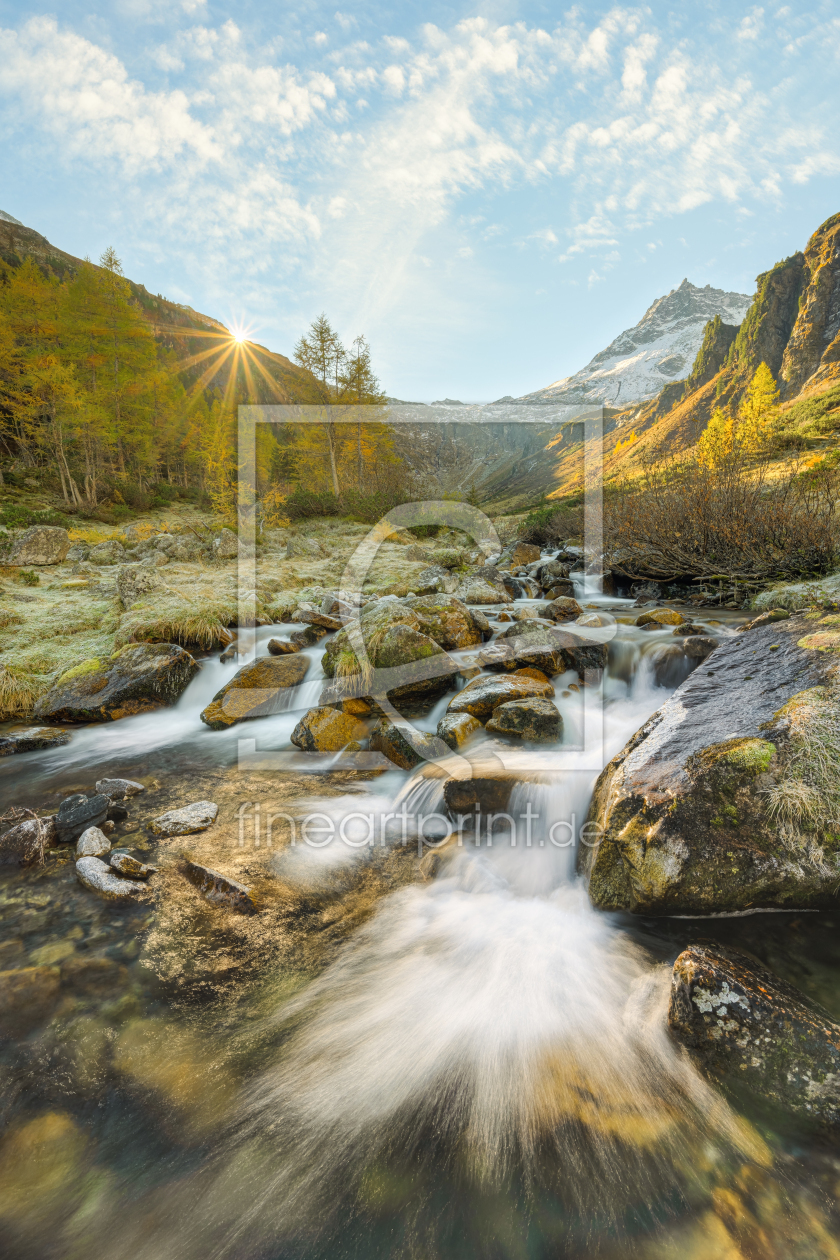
[(126, 865), (119, 789), (220, 888), (98, 877), (257, 690), (92, 843), (535, 719), (33, 741), (743, 1022), (78, 812), (185, 821)]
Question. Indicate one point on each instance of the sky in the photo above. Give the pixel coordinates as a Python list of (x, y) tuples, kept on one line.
[(489, 193)]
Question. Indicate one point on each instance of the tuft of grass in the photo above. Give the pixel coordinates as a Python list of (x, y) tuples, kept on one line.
[(806, 803), (169, 617), (793, 595)]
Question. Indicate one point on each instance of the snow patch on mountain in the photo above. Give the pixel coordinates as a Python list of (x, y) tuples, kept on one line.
[(660, 348)]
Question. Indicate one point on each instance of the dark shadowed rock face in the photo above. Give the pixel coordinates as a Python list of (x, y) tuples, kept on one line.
[(684, 806), (741, 1021), (140, 677)]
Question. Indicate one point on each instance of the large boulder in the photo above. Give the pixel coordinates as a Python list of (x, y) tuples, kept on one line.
[(226, 545), (476, 589), (435, 579), (742, 1022), (484, 694), (518, 554), (563, 608), (136, 679), (534, 719), (40, 544), (447, 620), (257, 690), (727, 798), (325, 729), (110, 551)]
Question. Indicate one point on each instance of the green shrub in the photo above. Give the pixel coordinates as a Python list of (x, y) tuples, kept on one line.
[(29, 577)]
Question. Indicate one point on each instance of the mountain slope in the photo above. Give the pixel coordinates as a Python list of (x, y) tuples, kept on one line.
[(660, 348), (202, 345)]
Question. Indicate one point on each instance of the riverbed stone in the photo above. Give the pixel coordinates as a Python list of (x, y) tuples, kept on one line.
[(562, 608), (119, 789), (325, 729), (765, 619), (40, 544), (226, 545), (683, 811), (404, 663), (97, 876), (445, 619), (219, 888), (136, 679), (661, 617), (435, 579), (25, 842), (92, 843), (78, 812), (27, 996), (281, 647), (456, 728), (257, 690), (519, 553), (185, 821), (482, 793), (546, 647), (35, 740), (126, 865), (405, 747), (481, 696), (477, 590), (533, 719), (742, 1022), (699, 646)]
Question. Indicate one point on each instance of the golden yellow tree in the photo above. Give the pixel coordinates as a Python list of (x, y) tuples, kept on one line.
[(759, 410)]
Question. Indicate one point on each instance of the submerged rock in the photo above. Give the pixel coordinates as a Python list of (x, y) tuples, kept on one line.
[(92, 843), (702, 811), (119, 789), (136, 679), (27, 995), (99, 878), (220, 888), (40, 544), (126, 865), (185, 821), (325, 729), (741, 1021), (405, 747), (535, 719), (256, 690), (481, 696)]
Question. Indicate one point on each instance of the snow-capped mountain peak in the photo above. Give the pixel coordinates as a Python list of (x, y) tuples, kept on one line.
[(660, 348)]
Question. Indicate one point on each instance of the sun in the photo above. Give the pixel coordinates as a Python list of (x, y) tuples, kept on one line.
[(239, 337)]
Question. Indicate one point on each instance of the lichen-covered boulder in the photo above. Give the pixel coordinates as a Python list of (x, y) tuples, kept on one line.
[(108, 552), (562, 608), (325, 729), (535, 719), (661, 617), (544, 646), (481, 696), (186, 821), (446, 619), (25, 842), (742, 1022), (40, 544), (477, 590), (727, 798), (92, 843), (257, 690), (405, 746), (134, 581), (435, 579), (456, 728), (136, 679)]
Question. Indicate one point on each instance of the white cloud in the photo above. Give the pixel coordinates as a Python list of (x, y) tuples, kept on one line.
[(751, 25)]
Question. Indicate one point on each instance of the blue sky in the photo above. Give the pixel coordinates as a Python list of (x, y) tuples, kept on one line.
[(490, 193)]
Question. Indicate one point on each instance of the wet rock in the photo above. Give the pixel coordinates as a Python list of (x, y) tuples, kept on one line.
[(549, 649), (185, 821), (687, 628), (560, 590), (405, 746), (257, 690), (127, 866), (480, 622), (562, 608), (220, 888), (325, 729), (92, 843), (27, 996), (481, 696), (403, 662), (549, 572), (78, 812), (765, 619), (119, 789), (683, 810), (669, 665), (446, 619), (595, 619), (307, 637), (661, 617), (278, 647), (134, 581), (741, 1021), (536, 719), (32, 741), (98, 877), (40, 544), (25, 842), (482, 794), (309, 617), (519, 553), (136, 679), (456, 728), (109, 552), (699, 646), (477, 590), (435, 579)]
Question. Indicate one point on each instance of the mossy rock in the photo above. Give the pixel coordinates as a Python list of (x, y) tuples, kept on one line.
[(141, 677)]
